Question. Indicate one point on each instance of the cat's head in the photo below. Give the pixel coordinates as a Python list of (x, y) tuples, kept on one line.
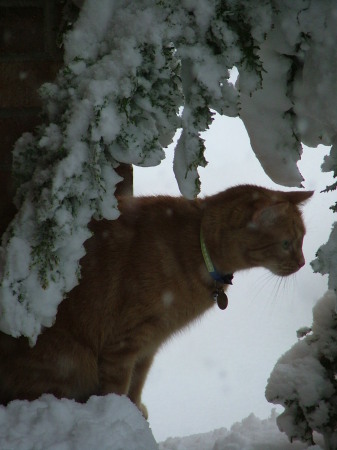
[(276, 231), (250, 226)]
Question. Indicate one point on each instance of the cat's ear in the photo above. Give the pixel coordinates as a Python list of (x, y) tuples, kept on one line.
[(268, 215), (298, 197)]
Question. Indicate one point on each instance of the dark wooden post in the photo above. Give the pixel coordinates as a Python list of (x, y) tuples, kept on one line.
[(29, 57)]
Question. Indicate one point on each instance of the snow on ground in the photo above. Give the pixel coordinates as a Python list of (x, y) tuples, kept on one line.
[(103, 423), (250, 434), (114, 423)]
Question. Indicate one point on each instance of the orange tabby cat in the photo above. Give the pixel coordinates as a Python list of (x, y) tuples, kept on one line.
[(145, 276)]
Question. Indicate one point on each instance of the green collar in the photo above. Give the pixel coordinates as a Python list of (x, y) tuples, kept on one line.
[(215, 274)]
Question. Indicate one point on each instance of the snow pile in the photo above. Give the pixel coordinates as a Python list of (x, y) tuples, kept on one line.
[(250, 434), (105, 423), (304, 379), (114, 423)]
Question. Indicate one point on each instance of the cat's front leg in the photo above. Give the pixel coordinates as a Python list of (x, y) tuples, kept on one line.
[(139, 375), (115, 371)]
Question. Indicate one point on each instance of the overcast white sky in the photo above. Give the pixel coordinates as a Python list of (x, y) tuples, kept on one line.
[(215, 373)]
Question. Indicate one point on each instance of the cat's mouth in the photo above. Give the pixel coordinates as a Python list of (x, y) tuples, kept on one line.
[(285, 271)]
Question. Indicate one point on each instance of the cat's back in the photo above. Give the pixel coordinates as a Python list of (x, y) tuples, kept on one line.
[(150, 233), (141, 220)]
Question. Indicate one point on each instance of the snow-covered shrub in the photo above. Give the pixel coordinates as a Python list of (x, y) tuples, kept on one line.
[(304, 379)]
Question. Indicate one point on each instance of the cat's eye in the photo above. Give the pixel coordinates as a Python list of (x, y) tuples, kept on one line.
[(286, 244)]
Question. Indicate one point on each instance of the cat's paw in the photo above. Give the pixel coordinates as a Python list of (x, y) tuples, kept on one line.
[(143, 409)]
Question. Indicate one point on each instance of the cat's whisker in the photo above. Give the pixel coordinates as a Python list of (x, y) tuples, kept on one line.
[(275, 292), (278, 287), (280, 284), (265, 280), (271, 283), (260, 286), (290, 285)]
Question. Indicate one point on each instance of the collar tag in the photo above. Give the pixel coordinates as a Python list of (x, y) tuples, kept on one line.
[(221, 298)]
